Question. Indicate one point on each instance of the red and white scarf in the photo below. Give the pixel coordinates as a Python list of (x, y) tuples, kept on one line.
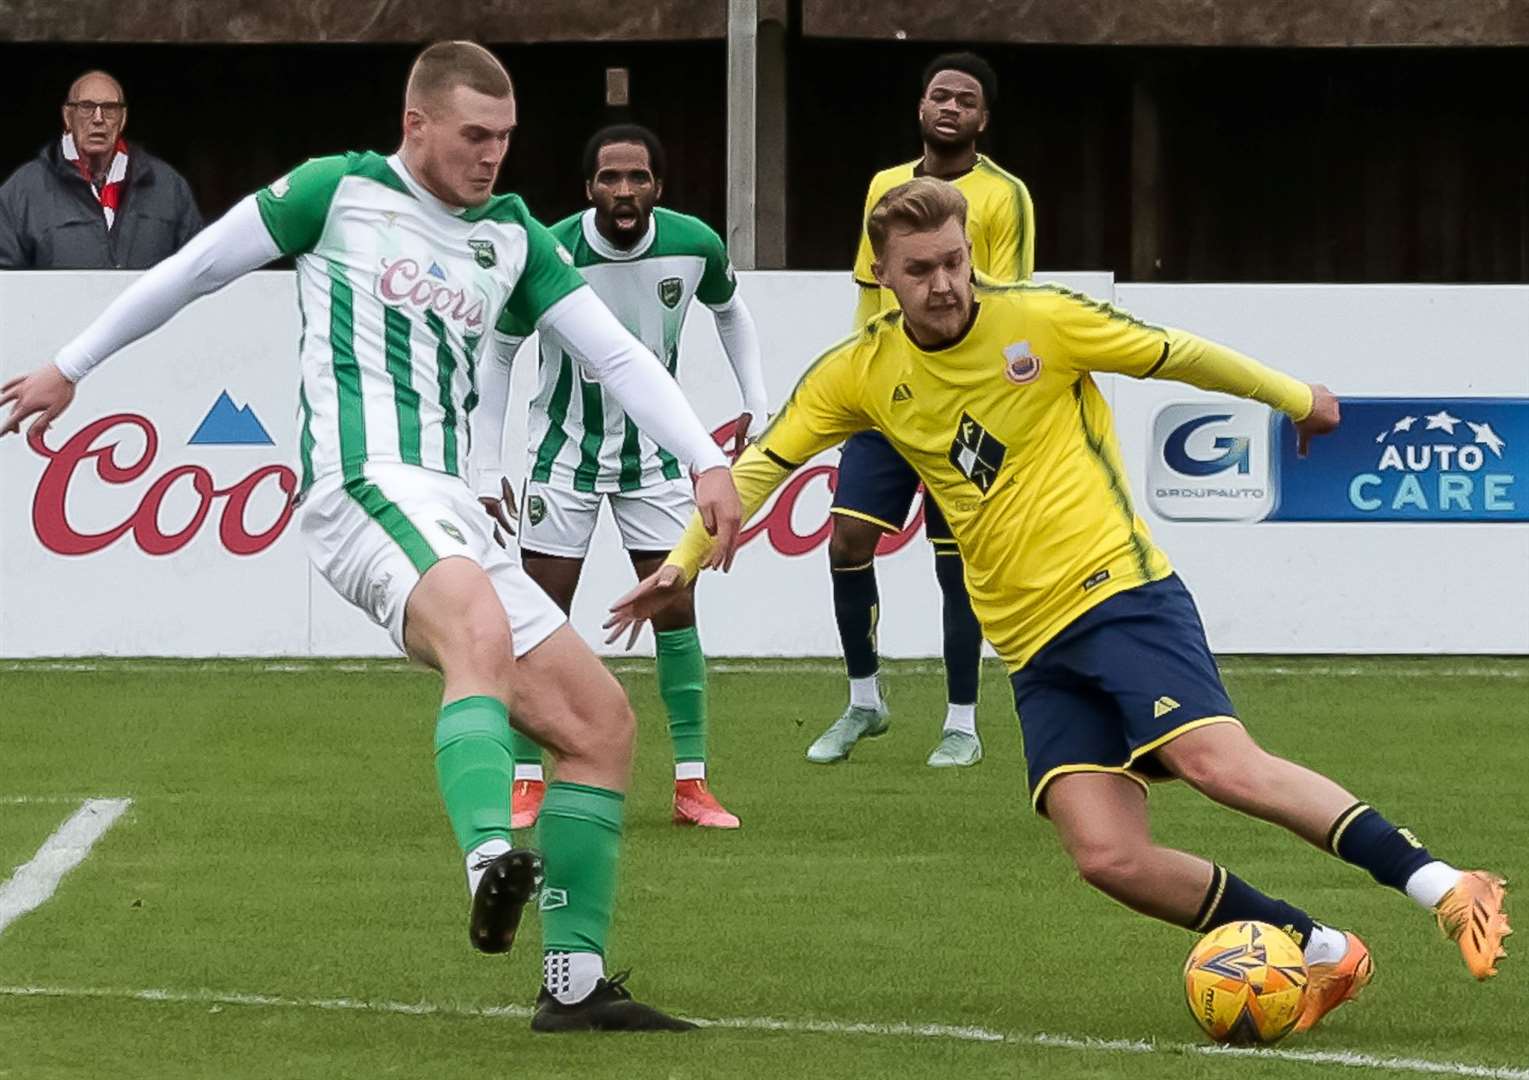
[(109, 194)]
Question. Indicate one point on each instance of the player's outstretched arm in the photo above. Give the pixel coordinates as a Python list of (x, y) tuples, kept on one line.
[(586, 329), (756, 474), (823, 410), (227, 249), (1212, 366), (1104, 338), (740, 341)]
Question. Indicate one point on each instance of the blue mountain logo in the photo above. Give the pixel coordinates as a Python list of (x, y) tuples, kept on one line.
[(228, 425)]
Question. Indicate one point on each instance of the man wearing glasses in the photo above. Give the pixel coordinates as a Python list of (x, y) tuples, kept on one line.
[(91, 202)]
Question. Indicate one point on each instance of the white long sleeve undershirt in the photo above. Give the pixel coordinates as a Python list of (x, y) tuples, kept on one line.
[(585, 328), (229, 248), (740, 341)]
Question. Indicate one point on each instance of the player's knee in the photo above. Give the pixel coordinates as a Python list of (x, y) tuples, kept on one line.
[(605, 730), (479, 646), (852, 543), (1222, 774), (1113, 869)]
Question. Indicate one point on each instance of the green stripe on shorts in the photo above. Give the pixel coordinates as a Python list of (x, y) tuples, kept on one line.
[(394, 522)]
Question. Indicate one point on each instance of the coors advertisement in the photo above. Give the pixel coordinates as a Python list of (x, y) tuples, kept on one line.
[(173, 504), (249, 513)]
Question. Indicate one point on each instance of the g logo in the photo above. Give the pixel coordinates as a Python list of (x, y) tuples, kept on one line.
[(1234, 450)]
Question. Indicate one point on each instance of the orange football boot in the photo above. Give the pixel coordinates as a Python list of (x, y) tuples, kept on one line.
[(1332, 984), (694, 804), (526, 802), (1472, 916)]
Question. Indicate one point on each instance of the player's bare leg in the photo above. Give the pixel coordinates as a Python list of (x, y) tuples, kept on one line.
[(857, 607), (1224, 763), (569, 703), (558, 577), (1101, 820), (681, 673), (455, 622)]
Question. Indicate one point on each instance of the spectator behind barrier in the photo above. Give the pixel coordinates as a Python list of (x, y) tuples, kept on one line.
[(89, 200)]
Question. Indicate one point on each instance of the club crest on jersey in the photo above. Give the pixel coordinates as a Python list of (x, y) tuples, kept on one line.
[(670, 290), (1020, 365), (536, 509), (976, 454), (902, 392), (483, 253)]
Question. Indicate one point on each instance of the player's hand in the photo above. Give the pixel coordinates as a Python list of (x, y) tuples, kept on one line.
[(653, 593), (44, 391), (1323, 418), (741, 436), (502, 511), (717, 501)]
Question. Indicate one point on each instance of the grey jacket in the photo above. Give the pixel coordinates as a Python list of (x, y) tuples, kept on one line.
[(51, 220)]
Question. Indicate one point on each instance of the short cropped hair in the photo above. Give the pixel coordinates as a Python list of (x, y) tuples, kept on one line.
[(921, 205), (968, 63), (625, 133), (444, 66)]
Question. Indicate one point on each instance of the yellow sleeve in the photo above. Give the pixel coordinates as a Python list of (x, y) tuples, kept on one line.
[(1010, 240), (823, 410), (1211, 366), (756, 475), (1104, 338)]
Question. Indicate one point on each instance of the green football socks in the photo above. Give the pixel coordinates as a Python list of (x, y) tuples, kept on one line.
[(682, 685), (473, 768), (580, 838)]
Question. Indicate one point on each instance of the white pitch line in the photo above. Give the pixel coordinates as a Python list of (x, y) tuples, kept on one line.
[(33, 882), (41, 800), (956, 1033), (1386, 669)]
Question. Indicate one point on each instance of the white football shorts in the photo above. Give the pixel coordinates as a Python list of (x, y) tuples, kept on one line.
[(374, 538), (557, 521)]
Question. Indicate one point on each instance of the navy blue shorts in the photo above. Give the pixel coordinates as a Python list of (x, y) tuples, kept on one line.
[(876, 485), (1120, 681)]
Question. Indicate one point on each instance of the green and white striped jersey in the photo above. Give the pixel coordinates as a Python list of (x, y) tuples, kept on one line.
[(579, 438), (398, 292)]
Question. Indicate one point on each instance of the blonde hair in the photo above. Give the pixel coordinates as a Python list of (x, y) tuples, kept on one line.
[(444, 66), (922, 204)]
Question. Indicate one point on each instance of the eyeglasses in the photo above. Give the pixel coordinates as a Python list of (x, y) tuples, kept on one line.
[(110, 110)]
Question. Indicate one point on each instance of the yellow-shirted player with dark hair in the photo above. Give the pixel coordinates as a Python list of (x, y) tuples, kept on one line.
[(960, 90), (875, 487), (989, 394)]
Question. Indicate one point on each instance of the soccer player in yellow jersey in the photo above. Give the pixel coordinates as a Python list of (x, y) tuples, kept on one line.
[(989, 394), (875, 486)]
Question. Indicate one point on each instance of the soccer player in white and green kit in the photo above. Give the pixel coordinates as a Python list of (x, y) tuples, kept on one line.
[(404, 264), (647, 264)]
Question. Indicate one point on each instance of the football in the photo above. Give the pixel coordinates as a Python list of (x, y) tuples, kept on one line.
[(1245, 983)]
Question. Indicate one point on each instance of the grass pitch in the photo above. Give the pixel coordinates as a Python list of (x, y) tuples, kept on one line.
[(286, 888)]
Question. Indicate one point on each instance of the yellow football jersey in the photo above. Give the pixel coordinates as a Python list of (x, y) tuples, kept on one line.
[(1000, 223), (1012, 437)]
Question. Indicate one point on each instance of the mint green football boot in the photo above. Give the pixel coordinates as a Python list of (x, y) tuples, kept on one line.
[(857, 723), (957, 749)]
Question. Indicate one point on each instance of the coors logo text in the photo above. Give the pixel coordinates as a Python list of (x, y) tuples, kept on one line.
[(406, 283)]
